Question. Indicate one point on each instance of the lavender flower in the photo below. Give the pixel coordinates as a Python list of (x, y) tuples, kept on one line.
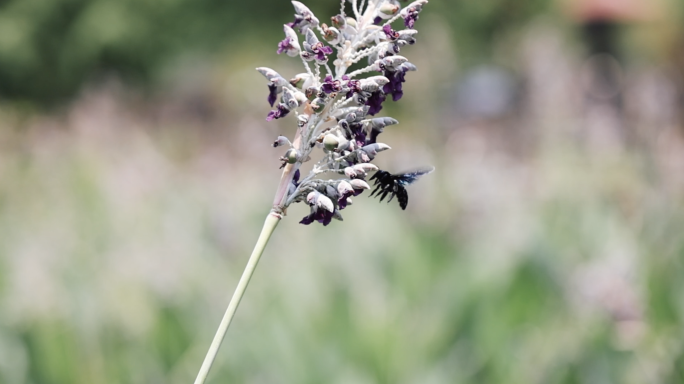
[(335, 107)]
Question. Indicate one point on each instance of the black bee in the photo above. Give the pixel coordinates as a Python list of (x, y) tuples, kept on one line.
[(394, 184)]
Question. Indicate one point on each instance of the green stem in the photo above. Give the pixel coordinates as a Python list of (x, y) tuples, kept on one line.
[(272, 221)]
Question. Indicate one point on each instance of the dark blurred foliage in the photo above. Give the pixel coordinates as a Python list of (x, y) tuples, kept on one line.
[(48, 49)]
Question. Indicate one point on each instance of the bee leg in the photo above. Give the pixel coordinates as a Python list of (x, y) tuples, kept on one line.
[(395, 190), (384, 194)]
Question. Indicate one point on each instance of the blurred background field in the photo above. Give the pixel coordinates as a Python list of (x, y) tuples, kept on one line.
[(136, 171)]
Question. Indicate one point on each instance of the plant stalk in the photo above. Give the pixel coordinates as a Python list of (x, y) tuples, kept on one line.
[(270, 224)]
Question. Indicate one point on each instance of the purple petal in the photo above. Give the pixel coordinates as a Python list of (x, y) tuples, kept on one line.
[(324, 217), (327, 88), (307, 220), (284, 45), (396, 95), (295, 178), (342, 201), (281, 111), (377, 20), (410, 20), (272, 94), (327, 50), (375, 102)]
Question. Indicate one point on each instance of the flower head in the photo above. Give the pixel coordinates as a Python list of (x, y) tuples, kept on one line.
[(335, 107)]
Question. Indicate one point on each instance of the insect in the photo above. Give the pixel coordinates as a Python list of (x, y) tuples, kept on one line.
[(394, 184)]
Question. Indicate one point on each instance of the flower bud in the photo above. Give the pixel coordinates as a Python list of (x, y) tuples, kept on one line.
[(373, 83), (331, 192), (300, 8), (359, 99), (364, 168), (394, 61), (331, 142), (373, 149), (344, 144), (312, 92), (311, 40), (337, 215), (381, 122), (317, 104), (325, 203), (343, 188), (289, 99), (388, 10), (280, 141), (312, 197), (407, 37), (350, 172), (294, 40), (362, 156), (302, 120), (338, 21), (351, 22), (332, 35), (359, 184), (291, 156), (272, 76), (407, 67), (299, 80)]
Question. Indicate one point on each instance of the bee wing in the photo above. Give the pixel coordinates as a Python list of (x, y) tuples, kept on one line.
[(409, 177)]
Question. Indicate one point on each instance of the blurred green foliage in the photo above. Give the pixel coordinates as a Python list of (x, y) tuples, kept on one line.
[(106, 280), (49, 49)]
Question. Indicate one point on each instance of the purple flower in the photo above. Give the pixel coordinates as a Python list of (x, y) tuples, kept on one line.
[(352, 86), (303, 18), (272, 93), (358, 133), (321, 51), (286, 46), (281, 111), (318, 214), (375, 102), (377, 20), (298, 20), (329, 85), (394, 87), (391, 34), (342, 201), (410, 17)]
